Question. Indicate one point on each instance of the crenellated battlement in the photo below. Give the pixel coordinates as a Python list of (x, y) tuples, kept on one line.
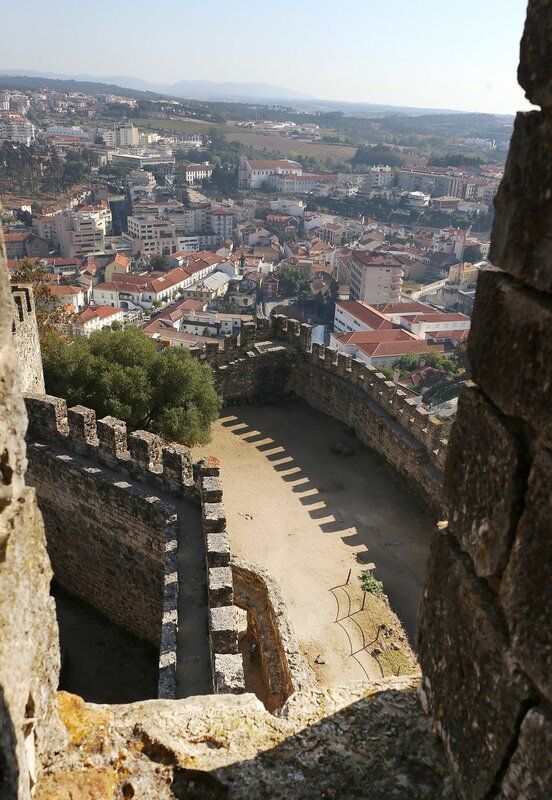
[(266, 363), (25, 339), (142, 455)]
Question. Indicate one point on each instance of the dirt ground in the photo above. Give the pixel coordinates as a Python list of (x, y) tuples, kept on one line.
[(309, 517)]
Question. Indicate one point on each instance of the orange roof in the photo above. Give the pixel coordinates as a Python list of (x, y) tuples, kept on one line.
[(97, 312), (394, 334), (65, 291), (367, 314)]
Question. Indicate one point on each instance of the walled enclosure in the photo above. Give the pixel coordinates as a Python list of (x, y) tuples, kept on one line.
[(111, 508), (486, 636), (276, 359)]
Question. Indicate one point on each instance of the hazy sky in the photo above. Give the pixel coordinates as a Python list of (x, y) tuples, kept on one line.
[(435, 53)]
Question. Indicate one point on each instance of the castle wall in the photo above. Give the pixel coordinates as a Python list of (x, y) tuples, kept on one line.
[(112, 507), (384, 417), (110, 515), (26, 342), (29, 651), (106, 538), (284, 668), (485, 642)]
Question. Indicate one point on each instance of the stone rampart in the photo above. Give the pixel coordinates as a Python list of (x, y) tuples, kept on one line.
[(112, 528), (226, 661), (25, 340), (485, 642), (285, 670), (383, 416)]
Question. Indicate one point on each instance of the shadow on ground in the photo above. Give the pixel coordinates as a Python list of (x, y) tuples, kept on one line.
[(355, 496)]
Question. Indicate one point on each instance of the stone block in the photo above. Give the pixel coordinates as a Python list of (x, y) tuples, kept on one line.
[(82, 428), (220, 586), (223, 627), (526, 590), (468, 684), (535, 65), (214, 517), (305, 337), (520, 241), (145, 451), (484, 482), (177, 467), (529, 773), (228, 674), (217, 549), (247, 335), (211, 489), (112, 441), (513, 326), (47, 416)]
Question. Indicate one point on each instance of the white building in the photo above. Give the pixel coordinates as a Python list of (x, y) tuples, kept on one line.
[(127, 135), (68, 131), (291, 206), (83, 231), (94, 318), (140, 291), (375, 277), (253, 173), (15, 128)]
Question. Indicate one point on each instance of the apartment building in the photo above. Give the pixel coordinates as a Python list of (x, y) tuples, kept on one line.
[(15, 128), (81, 231), (375, 277)]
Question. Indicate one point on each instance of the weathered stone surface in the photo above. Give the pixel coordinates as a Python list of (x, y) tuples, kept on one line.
[(529, 774), (106, 537), (211, 489), (513, 326), (214, 517), (468, 683), (485, 481), (527, 584), (218, 549), (228, 674), (520, 242), (220, 588), (25, 341), (223, 627), (284, 668), (535, 66), (354, 742)]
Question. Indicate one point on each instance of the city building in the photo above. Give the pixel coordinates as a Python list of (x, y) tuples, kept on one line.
[(253, 173), (375, 277)]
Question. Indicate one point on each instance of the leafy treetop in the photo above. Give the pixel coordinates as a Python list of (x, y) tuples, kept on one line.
[(121, 373)]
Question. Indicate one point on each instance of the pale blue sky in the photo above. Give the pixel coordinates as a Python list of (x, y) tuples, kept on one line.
[(435, 53)]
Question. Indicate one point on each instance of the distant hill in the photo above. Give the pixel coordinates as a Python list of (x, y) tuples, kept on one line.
[(194, 90), (34, 82)]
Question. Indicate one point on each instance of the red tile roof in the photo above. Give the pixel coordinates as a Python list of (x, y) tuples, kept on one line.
[(366, 314)]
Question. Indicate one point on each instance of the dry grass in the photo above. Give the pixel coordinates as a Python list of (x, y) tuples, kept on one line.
[(258, 141)]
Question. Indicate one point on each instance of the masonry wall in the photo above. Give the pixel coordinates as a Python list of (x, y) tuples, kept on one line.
[(29, 651), (26, 342), (105, 538), (384, 417), (485, 642), (108, 501)]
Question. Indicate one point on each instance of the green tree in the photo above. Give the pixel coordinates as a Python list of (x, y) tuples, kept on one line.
[(121, 373), (160, 263), (472, 254), (49, 309)]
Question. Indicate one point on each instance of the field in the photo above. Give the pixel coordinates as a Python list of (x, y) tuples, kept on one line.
[(258, 141)]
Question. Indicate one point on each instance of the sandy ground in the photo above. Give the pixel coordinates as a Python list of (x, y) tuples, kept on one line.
[(309, 517)]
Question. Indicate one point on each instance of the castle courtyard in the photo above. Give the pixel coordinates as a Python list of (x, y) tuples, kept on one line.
[(309, 515)]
